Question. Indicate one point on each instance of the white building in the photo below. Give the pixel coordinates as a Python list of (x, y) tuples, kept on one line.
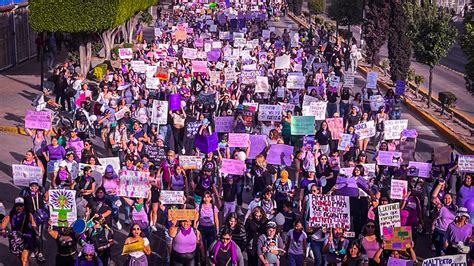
[(457, 5)]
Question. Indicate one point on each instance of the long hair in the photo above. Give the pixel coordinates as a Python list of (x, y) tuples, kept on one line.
[(258, 209), (130, 233)]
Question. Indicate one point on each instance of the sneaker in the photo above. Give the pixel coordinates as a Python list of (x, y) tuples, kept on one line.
[(118, 225), (33, 254), (183, 151), (40, 257), (153, 228)]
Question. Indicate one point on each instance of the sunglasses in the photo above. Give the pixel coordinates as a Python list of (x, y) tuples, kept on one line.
[(88, 255), (370, 226), (136, 229)]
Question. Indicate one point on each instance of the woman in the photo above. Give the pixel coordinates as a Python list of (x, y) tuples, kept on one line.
[(296, 244), (369, 242), (111, 183), (284, 189), (305, 185), (380, 118), (466, 192), (445, 216), (363, 143), (63, 178), (98, 208), (458, 234), (88, 152), (66, 245), (39, 143), (225, 251), (53, 152), (263, 174), (323, 137), (237, 230), (353, 118), (31, 160), (410, 213), (178, 117), (354, 257), (286, 131), (168, 168), (85, 184), (138, 212), (335, 247), (324, 173), (270, 246), (254, 227), (88, 257), (208, 220), (186, 240), (137, 258)]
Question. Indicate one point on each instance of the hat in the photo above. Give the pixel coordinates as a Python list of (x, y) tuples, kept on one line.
[(109, 169), (19, 200), (284, 175), (462, 211), (160, 137), (271, 224), (62, 163), (34, 181), (88, 248), (142, 101)]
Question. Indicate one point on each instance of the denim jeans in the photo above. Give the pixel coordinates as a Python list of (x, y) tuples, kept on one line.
[(343, 109), (438, 240), (208, 235), (296, 260), (239, 187), (317, 248), (111, 199), (332, 108)]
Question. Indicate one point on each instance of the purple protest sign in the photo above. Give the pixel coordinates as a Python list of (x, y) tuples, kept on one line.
[(174, 101), (280, 154), (207, 144), (38, 120), (224, 124), (199, 42), (409, 133), (308, 143), (214, 55), (400, 87), (258, 143)]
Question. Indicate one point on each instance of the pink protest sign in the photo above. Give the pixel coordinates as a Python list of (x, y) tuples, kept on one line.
[(224, 124), (78, 146), (199, 66), (238, 140), (174, 101), (133, 184), (336, 126), (125, 53), (258, 143), (280, 154), (38, 120), (199, 42), (233, 167)]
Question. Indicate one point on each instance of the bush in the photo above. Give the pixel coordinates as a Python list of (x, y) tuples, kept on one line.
[(447, 98), (99, 71), (73, 56), (316, 6), (96, 47), (319, 20), (127, 45), (146, 17), (330, 25), (411, 74)]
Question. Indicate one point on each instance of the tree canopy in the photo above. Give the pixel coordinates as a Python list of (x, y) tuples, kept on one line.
[(467, 44), (346, 12), (398, 42), (375, 28)]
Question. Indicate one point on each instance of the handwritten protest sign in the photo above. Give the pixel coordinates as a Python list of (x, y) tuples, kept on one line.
[(138, 66), (295, 82), (334, 80), (466, 163), (336, 126), (329, 211), (125, 53), (133, 184), (224, 124), (199, 66), (323, 66), (397, 238), (38, 120), (150, 71), (262, 84), (172, 197), (269, 112), (24, 174), (344, 142), (393, 128), (133, 247), (249, 77), (389, 158), (349, 79), (121, 113), (442, 155), (238, 140), (389, 216), (365, 130), (280, 154), (190, 162), (424, 169), (372, 79), (302, 125), (285, 107), (233, 167), (159, 112), (189, 53), (258, 143), (207, 144), (316, 109), (62, 207), (113, 161), (458, 260), (409, 133), (282, 62), (399, 262), (77, 146), (152, 83), (398, 188), (376, 101), (182, 214)]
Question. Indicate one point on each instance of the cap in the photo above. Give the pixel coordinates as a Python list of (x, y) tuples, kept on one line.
[(88, 248), (160, 137), (62, 163), (19, 200), (69, 152), (284, 175), (271, 224), (462, 211)]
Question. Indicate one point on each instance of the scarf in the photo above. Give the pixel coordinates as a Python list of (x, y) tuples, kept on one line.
[(138, 206), (233, 251), (186, 232)]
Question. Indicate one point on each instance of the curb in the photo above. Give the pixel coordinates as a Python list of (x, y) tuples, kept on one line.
[(452, 70), (14, 130)]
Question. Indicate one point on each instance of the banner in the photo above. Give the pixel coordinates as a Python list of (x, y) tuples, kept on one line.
[(393, 128), (269, 112), (442, 155), (258, 143), (133, 184), (344, 142), (159, 112), (389, 158), (285, 107), (199, 66), (230, 74), (224, 124), (207, 144), (138, 66), (398, 188), (152, 83), (125, 53), (190, 162), (372, 80), (249, 77), (389, 216), (182, 214), (24, 174), (62, 207), (302, 125), (336, 126), (329, 211), (295, 82), (77, 146), (38, 120), (399, 262), (233, 167), (365, 130), (307, 100), (397, 238), (452, 260), (121, 113), (466, 163), (316, 109), (424, 169), (262, 85), (238, 140), (280, 154), (172, 197)]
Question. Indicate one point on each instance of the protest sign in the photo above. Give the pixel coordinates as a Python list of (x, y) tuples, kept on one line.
[(97, 172), (181, 35), (125, 53), (302, 125), (316, 109), (199, 66), (62, 207), (159, 112), (238, 140), (217, 45), (138, 66), (400, 87), (329, 211), (214, 77), (372, 79), (24, 174), (389, 158), (171, 197), (133, 247), (393, 128), (207, 98), (323, 66), (466, 163), (442, 155), (182, 214), (121, 113), (213, 55), (334, 81), (174, 101), (399, 262), (397, 238), (224, 35), (162, 73), (389, 216), (152, 83), (38, 120), (207, 144), (113, 161), (249, 77), (269, 112), (280, 154), (77, 146), (133, 184), (258, 143), (344, 142), (266, 34), (424, 169), (285, 107), (233, 167), (282, 62), (230, 74), (409, 133), (336, 126), (307, 100), (452, 260), (365, 130), (308, 143), (262, 85), (189, 53), (349, 79), (376, 101), (190, 162), (407, 148), (224, 124), (192, 129), (295, 82), (150, 71), (398, 188)]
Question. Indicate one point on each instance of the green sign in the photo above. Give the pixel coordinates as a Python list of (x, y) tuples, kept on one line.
[(302, 125)]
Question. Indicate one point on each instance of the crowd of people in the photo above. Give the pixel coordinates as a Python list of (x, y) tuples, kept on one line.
[(162, 106)]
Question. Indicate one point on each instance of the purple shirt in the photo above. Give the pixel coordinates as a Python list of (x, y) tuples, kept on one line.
[(445, 218), (465, 193), (455, 234), (55, 153)]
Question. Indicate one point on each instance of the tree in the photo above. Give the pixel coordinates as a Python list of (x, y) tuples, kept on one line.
[(346, 12), (375, 28), (431, 36), (398, 41), (85, 19), (316, 6), (467, 45)]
